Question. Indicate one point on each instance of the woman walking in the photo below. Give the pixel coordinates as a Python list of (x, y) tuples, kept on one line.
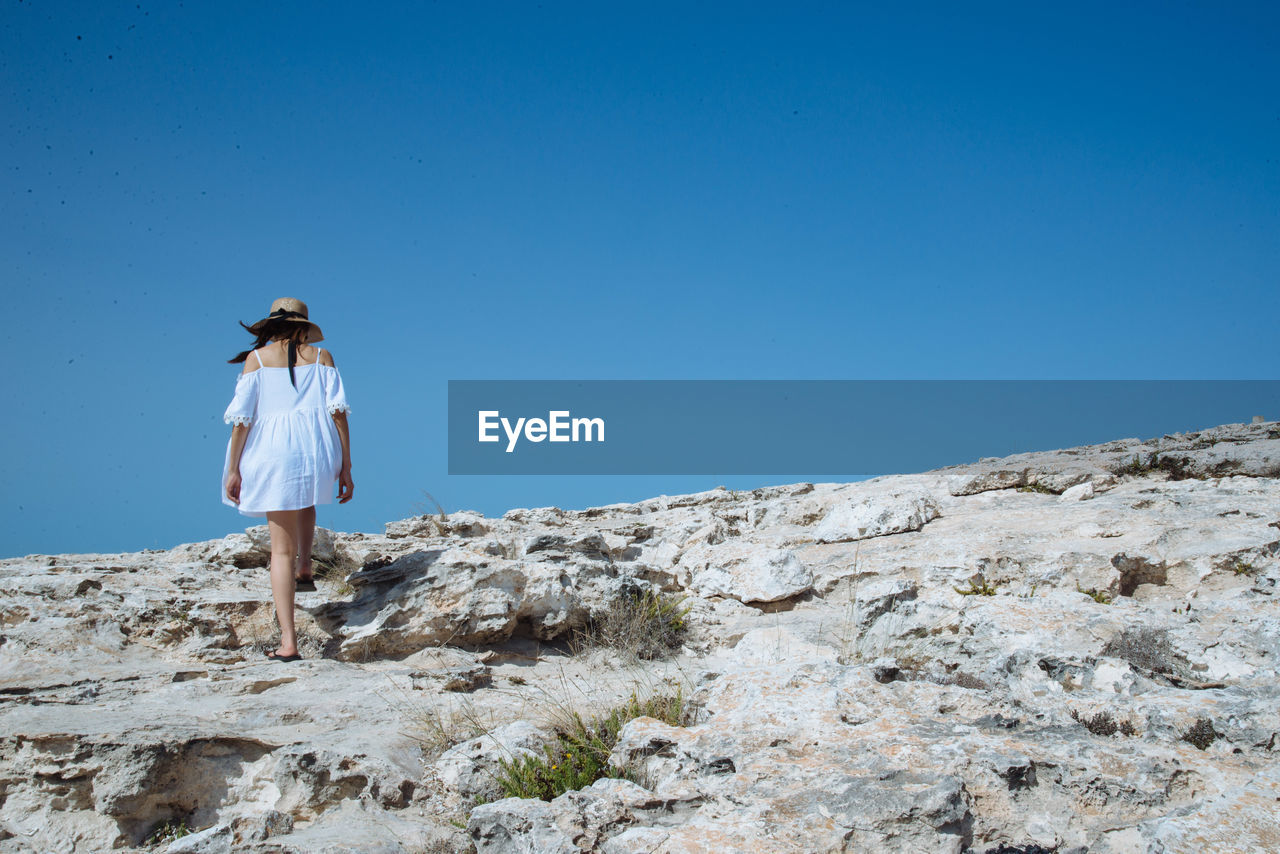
[(290, 445)]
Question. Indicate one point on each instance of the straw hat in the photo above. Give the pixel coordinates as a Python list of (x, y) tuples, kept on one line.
[(294, 310)]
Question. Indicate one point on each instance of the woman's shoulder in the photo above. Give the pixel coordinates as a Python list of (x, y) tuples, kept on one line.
[(266, 358)]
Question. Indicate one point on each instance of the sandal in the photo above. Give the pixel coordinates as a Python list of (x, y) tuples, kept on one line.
[(274, 657)]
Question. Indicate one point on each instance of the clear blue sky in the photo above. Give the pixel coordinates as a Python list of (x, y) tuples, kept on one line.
[(646, 191)]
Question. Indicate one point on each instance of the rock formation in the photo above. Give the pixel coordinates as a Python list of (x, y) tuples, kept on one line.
[(1064, 651)]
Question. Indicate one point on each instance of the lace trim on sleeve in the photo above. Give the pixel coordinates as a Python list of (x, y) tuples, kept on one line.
[(335, 408), (241, 420)]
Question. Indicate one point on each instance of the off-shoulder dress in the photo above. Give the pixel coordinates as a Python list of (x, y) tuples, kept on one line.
[(293, 454)]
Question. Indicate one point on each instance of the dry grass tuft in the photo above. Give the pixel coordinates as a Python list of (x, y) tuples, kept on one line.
[(1103, 724), (1148, 650), (641, 624)]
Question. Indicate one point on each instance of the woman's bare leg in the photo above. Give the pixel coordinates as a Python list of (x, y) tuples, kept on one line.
[(305, 535), (283, 525)]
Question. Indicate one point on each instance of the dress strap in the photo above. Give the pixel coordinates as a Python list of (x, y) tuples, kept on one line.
[(319, 350), (260, 365)]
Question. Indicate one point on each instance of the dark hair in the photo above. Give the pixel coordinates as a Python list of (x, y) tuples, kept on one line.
[(296, 334)]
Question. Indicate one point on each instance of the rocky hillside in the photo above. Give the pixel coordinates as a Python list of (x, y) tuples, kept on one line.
[(1066, 651)]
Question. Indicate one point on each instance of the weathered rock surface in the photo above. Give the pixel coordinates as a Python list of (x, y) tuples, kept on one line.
[(1066, 651), (866, 517)]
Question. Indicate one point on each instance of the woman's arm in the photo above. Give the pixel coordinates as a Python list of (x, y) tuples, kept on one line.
[(346, 487), (239, 433)]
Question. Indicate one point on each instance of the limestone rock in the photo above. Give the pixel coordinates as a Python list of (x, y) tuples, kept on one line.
[(894, 513), (939, 661), (972, 484), (1079, 492), (243, 551), (748, 574), (472, 768), (518, 826)]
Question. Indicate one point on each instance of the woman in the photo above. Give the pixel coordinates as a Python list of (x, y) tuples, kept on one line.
[(289, 446)]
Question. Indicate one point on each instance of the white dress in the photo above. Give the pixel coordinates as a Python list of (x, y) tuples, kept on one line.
[(293, 454)]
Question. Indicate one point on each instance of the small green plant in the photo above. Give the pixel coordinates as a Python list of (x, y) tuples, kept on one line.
[(978, 588), (643, 623), (1102, 597), (579, 753), (168, 831), (516, 680), (1241, 567), (557, 771), (1038, 488)]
